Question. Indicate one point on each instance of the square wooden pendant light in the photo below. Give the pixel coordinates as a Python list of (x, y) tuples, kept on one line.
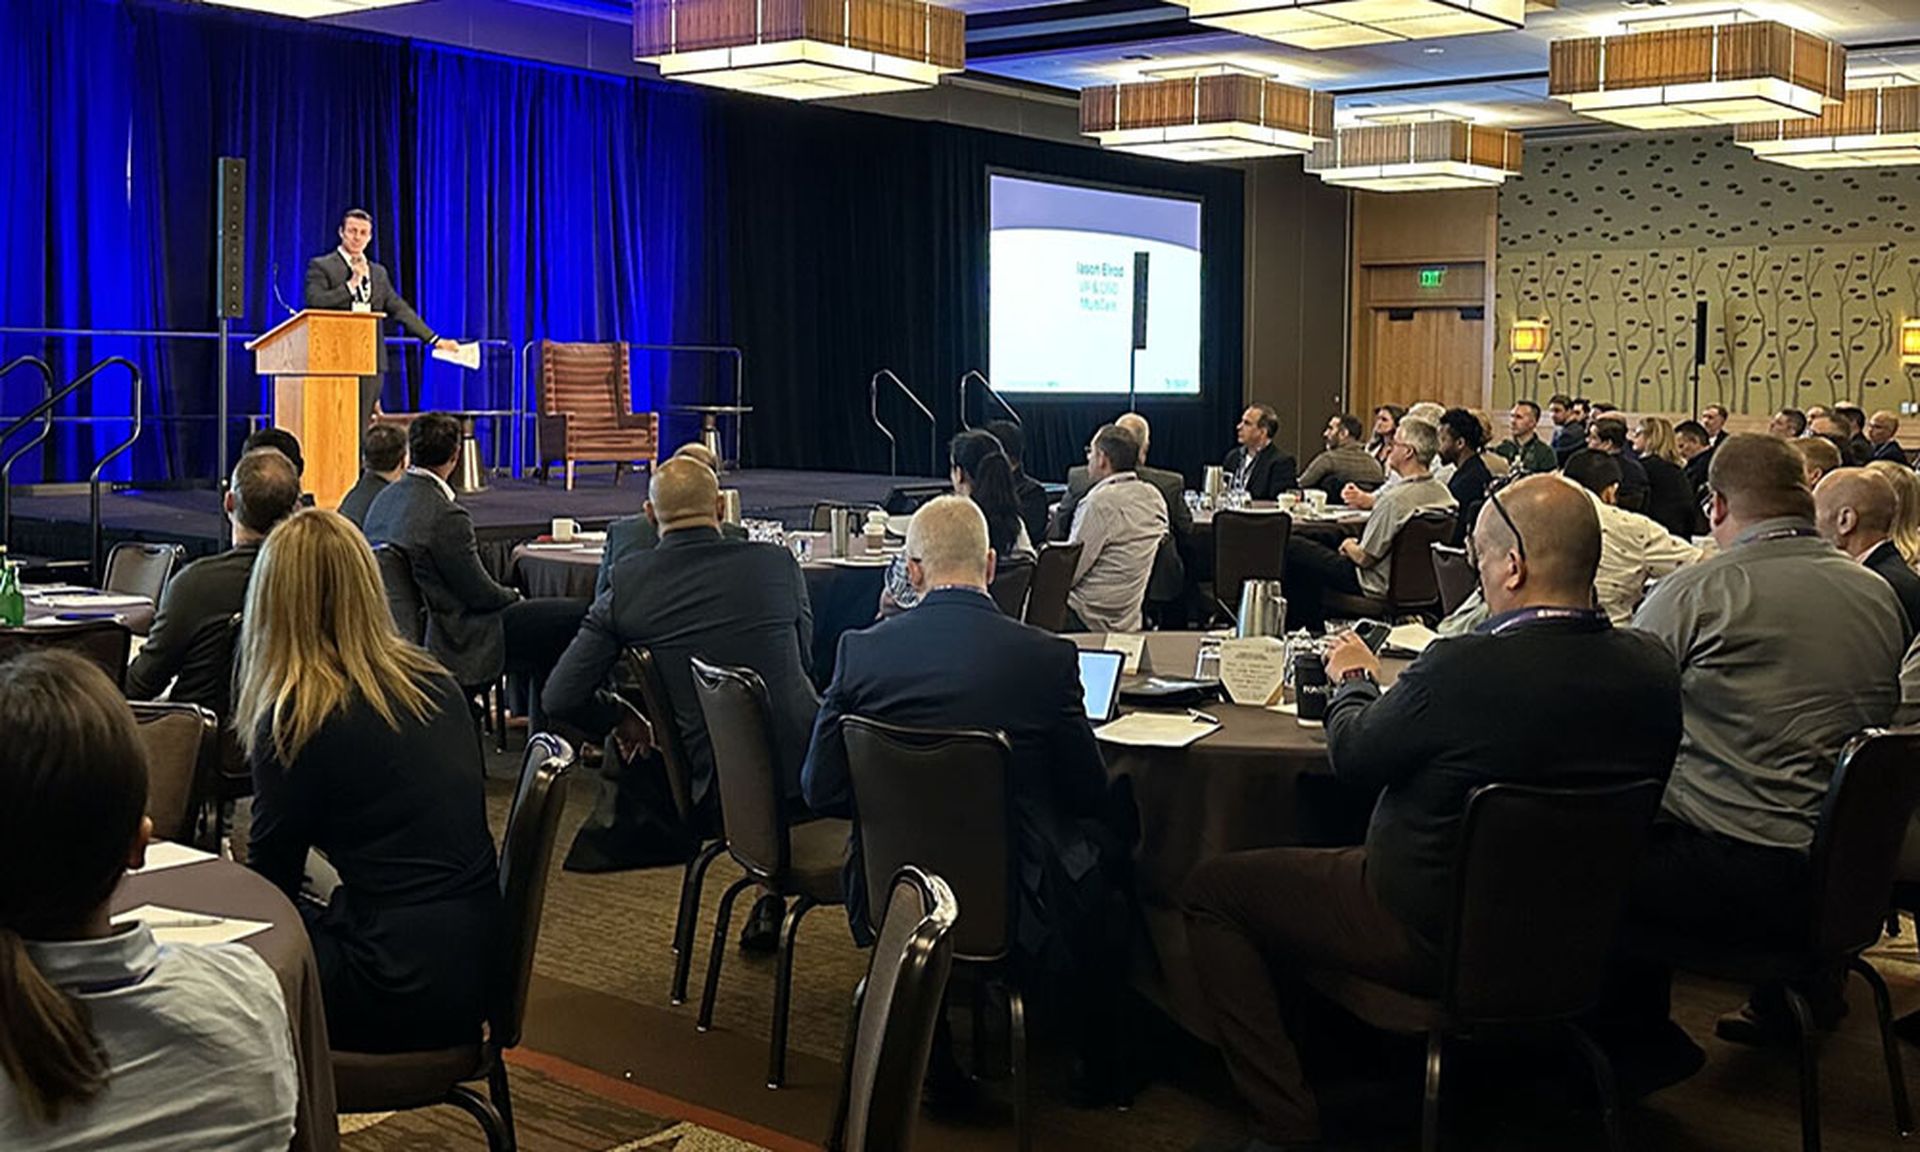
[(1873, 127), (1418, 156), (1215, 113), (1343, 23), (801, 49), (1735, 72)]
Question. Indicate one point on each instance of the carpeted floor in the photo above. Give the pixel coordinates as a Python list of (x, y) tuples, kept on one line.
[(600, 1015)]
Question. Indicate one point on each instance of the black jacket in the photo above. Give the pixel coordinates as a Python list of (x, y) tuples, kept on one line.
[(1429, 742), (359, 498), (1273, 471), (697, 593), (1635, 485), (1892, 567), (191, 637), (326, 287), (464, 630), (1671, 500), (1033, 499), (1469, 487)]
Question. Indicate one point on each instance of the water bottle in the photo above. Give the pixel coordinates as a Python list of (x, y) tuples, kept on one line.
[(13, 600)]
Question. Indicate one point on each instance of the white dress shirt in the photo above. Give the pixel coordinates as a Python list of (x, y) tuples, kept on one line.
[(1633, 550), (1119, 526), (445, 488), (199, 1052)]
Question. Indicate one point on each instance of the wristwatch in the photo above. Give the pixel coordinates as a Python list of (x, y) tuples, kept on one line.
[(1352, 674)]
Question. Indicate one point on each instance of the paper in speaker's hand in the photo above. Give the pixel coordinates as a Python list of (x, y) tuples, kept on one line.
[(468, 355)]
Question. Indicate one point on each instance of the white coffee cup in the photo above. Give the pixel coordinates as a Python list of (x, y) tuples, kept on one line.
[(1316, 499), (563, 530)]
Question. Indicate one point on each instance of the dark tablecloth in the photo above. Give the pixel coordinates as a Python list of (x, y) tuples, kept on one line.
[(223, 888), (844, 597)]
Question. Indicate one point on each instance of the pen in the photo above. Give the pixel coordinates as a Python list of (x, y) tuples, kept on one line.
[(1196, 714), (191, 922)]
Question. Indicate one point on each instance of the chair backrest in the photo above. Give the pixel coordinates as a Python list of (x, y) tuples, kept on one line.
[(1247, 546), (1052, 578), (1856, 845), (106, 643), (1411, 583), (1453, 576), (183, 748), (526, 857), (409, 608), (1011, 579), (137, 568), (822, 519), (1541, 879), (640, 686), (899, 1005), (752, 799), (588, 382), (939, 799)]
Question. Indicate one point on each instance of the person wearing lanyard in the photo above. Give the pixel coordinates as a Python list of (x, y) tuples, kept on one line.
[(1381, 910)]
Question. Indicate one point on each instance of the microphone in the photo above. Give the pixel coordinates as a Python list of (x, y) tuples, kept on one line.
[(275, 281)]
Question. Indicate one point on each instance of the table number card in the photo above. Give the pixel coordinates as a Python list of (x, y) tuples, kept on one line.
[(1132, 645), (1253, 669)]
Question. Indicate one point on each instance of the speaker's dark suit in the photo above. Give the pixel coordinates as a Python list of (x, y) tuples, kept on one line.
[(957, 661), (465, 631), (326, 287), (1273, 471)]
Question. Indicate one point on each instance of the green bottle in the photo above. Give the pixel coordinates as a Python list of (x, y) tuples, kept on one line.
[(13, 601)]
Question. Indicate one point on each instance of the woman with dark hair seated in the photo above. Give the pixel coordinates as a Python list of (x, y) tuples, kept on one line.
[(981, 472), (363, 752), (109, 1039)]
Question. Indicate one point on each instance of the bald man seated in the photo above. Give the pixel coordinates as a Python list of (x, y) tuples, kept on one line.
[(1380, 911), (1853, 509), (631, 534), (696, 593)]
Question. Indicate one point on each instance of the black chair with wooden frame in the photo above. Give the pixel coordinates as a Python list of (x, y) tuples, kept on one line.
[(183, 756), (1454, 576), (1247, 546), (141, 568), (1052, 578), (1411, 584), (1011, 581), (106, 643)]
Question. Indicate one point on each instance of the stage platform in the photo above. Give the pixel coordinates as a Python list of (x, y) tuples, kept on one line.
[(507, 512)]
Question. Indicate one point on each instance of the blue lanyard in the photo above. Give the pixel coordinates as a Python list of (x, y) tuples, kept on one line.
[(1527, 617)]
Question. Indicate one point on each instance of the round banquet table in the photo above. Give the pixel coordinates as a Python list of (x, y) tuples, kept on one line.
[(844, 595), (1261, 781), (223, 888)]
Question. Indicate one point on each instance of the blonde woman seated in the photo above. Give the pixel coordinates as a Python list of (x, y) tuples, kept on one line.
[(1906, 508), (362, 748)]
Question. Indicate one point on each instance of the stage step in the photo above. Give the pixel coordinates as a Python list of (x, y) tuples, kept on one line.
[(48, 570)]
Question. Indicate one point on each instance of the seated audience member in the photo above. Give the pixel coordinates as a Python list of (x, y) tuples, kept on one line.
[(1814, 412), (1460, 442), (1524, 447), (1690, 438), (1362, 567), (1497, 465), (1714, 419), (1853, 509), (994, 672), (1169, 561), (1633, 549), (1257, 466), (383, 459), (1381, 911), (1427, 412), (362, 751), (1608, 434), (697, 593), (982, 473), (1854, 418), (1769, 703), (1569, 420), (189, 644), (1671, 502), (1386, 419), (1030, 492), (631, 534), (109, 1039), (1345, 461), (1835, 428), (1818, 455), (1906, 507), (281, 441), (1120, 527), (1788, 424)]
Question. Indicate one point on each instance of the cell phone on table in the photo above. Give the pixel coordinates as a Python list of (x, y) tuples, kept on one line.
[(1373, 634)]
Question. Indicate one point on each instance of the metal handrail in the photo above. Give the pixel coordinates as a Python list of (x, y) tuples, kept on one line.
[(525, 399), (893, 447), (975, 374), (98, 553), (46, 429)]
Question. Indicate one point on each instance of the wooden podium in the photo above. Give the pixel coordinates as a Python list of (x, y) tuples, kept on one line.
[(316, 358)]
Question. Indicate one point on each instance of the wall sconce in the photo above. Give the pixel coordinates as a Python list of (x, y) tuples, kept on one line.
[(1527, 341), (1910, 342)]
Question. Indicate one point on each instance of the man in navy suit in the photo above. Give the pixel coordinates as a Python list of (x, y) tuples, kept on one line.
[(346, 280), (957, 661)]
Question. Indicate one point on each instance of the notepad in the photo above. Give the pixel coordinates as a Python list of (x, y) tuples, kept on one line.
[(1409, 639), (164, 854), (180, 926), (1155, 730)]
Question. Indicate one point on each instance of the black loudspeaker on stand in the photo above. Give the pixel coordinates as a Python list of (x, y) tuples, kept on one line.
[(232, 252), (1139, 322), (1699, 353)]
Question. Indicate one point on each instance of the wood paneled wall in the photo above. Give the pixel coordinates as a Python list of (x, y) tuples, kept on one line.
[(1296, 300)]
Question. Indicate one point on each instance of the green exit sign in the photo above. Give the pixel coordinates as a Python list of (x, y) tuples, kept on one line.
[(1432, 277)]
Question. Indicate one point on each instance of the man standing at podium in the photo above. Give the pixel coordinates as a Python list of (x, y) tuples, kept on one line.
[(346, 280)]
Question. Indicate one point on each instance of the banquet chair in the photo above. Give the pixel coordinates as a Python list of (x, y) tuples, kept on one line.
[(798, 862), (395, 1082), (895, 1009), (183, 750), (941, 799), (1856, 847), (586, 410), (1052, 577), (1454, 576), (1526, 949), (1247, 546), (106, 643), (1411, 585), (1011, 579), (137, 568)]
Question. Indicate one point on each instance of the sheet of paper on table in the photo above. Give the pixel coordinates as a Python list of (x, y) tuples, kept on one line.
[(164, 854), (1155, 730), (180, 926)]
